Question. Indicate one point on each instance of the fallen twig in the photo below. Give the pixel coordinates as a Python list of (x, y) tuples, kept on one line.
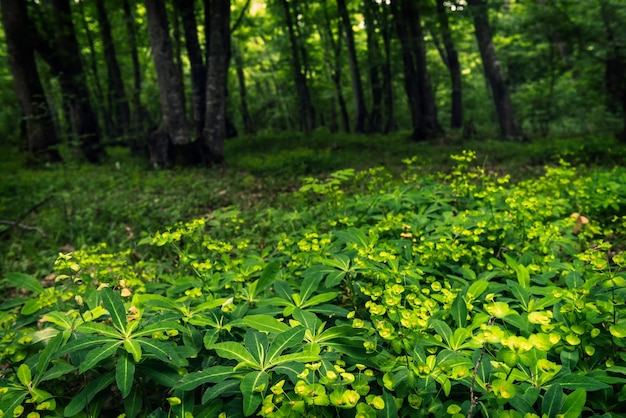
[(26, 227), (18, 223)]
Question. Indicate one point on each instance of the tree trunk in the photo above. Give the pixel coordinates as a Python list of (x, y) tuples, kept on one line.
[(417, 84), (196, 59), (509, 128), (452, 62), (40, 133), (173, 125), (307, 112), (357, 86), (375, 66), (66, 61), (116, 95), (217, 77)]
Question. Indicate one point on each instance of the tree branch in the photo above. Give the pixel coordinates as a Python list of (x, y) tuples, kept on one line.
[(22, 226)]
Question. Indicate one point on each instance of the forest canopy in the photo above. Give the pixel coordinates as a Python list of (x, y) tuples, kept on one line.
[(174, 79)]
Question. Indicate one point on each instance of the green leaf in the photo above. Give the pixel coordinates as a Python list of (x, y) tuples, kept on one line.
[(235, 351), (340, 331), (268, 276), (160, 327), (113, 303), (284, 341), (56, 371), (265, 323), (134, 348), (574, 403), (213, 374), (133, 404), (576, 381), (45, 357), (215, 392), (97, 328), (476, 289), (552, 401), (442, 329), (98, 354), (459, 310), (31, 307), (523, 276), (390, 410), (24, 375), (253, 387), (61, 319), (303, 357), (83, 344), (308, 319), (166, 352), (319, 299), (309, 285), (11, 400), (256, 343), (124, 374), (85, 396), (24, 281)]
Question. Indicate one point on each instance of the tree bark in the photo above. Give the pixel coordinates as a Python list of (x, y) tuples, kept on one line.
[(116, 94), (243, 91), (196, 59), (173, 125), (375, 66), (66, 61), (417, 83), (216, 80), (40, 133), (509, 129), (357, 85), (307, 112), (452, 62)]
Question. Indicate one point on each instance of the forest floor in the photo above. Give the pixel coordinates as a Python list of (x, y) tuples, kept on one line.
[(73, 205)]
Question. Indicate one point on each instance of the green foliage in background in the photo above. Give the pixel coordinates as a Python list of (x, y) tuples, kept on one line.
[(363, 294)]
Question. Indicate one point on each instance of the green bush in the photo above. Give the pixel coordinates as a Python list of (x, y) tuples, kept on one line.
[(453, 294)]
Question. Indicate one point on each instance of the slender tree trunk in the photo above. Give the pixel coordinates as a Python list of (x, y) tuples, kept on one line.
[(375, 66), (385, 31), (173, 125), (138, 109), (509, 128), (452, 62), (417, 84), (307, 112), (40, 133), (217, 77), (116, 93), (357, 86), (65, 60), (243, 91), (198, 68)]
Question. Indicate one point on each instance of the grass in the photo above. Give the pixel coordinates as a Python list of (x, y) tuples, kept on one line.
[(124, 198)]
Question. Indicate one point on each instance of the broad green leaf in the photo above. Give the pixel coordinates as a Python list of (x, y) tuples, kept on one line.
[(476, 289), (442, 329), (459, 310), (11, 400), (134, 348), (98, 354), (124, 374), (208, 305), (298, 357), (56, 371), (235, 351), (61, 319), (334, 278), (253, 387), (24, 281), (85, 396), (319, 299), (24, 375), (523, 276), (256, 344), (83, 344), (133, 404), (265, 323), (618, 331), (213, 374), (185, 407), (308, 319), (284, 341), (45, 357), (31, 307), (353, 237), (224, 387), (390, 410), (166, 352), (97, 328), (309, 285), (267, 276), (158, 301), (552, 401), (113, 303), (340, 331), (574, 403), (576, 381), (160, 327)]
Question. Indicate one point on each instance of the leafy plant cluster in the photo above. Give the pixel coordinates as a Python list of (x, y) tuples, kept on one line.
[(455, 294)]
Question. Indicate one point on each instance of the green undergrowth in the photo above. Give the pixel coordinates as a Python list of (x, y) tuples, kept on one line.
[(365, 294)]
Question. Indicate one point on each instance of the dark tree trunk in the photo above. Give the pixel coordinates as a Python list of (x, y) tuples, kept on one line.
[(375, 66), (40, 133), (357, 85), (116, 95), (173, 125), (177, 50), (196, 59), (452, 62), (65, 60), (217, 77), (243, 92), (307, 112), (385, 31), (509, 128), (417, 84)]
